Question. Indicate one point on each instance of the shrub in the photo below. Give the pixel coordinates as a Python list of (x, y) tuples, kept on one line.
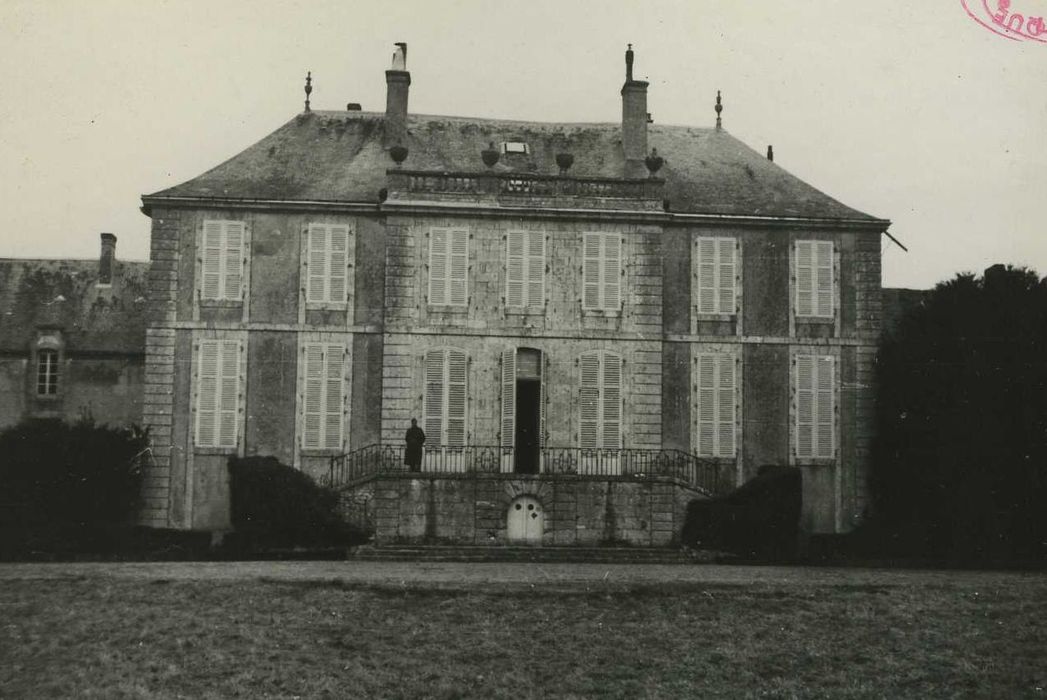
[(274, 505)]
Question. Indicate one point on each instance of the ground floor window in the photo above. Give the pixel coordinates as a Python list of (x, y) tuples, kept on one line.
[(47, 373)]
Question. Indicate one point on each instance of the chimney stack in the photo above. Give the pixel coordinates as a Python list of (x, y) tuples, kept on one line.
[(106, 259), (634, 121), (397, 81)]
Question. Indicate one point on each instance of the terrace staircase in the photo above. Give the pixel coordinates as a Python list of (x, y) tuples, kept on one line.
[(525, 554)]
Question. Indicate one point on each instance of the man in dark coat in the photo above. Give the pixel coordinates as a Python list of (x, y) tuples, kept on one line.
[(414, 438)]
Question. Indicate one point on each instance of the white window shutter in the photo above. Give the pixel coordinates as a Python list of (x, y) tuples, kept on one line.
[(438, 267), (804, 278), (435, 363), (612, 272), (211, 260), (589, 401), (459, 278), (509, 397), (234, 260), (707, 405), (725, 404), (805, 409), (338, 269), (334, 396), (591, 264), (612, 402), (824, 279), (207, 406), (514, 269), (725, 273), (317, 260), (535, 269), (541, 400), (457, 392), (313, 403), (824, 414), (706, 251), (229, 368)]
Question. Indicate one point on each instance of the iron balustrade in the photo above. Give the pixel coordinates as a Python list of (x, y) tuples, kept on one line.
[(629, 463)]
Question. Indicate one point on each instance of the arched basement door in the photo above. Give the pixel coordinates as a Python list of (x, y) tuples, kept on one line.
[(525, 521)]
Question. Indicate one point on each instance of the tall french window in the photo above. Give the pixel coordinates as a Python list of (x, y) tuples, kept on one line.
[(446, 390), (600, 401), (815, 377), (717, 381), (323, 399), (218, 393)]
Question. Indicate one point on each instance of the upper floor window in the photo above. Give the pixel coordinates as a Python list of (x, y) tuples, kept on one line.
[(815, 406), (525, 269), (448, 267), (323, 403), (815, 283), (716, 273), (222, 260), (446, 389), (327, 265), (218, 392), (600, 401), (602, 271), (717, 384), (47, 372)]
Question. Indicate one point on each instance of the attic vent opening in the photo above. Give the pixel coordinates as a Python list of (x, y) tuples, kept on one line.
[(515, 147)]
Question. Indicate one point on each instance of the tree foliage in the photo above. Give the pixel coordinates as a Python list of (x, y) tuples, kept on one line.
[(962, 420)]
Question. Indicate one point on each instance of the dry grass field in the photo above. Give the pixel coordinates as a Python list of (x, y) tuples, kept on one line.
[(170, 633)]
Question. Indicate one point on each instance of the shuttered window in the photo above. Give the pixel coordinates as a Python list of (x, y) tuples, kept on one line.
[(446, 391), (600, 401), (525, 269), (601, 271), (815, 286), (222, 260), (448, 267), (815, 397), (717, 264), (717, 382), (508, 424), (218, 393), (323, 396), (327, 264)]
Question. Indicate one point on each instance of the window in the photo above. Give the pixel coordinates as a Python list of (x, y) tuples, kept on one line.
[(327, 265), (600, 401), (815, 288), (515, 147), (716, 404), (47, 373), (222, 261), (448, 267), (716, 274), (218, 393), (525, 269), (323, 396), (446, 380), (815, 397), (601, 271)]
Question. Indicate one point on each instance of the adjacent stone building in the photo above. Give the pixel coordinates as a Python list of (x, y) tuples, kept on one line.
[(592, 323)]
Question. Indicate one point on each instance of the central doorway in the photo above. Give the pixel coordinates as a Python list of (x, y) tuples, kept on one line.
[(528, 425), (522, 415)]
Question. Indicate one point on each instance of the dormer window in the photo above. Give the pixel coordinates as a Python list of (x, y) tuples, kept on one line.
[(515, 147)]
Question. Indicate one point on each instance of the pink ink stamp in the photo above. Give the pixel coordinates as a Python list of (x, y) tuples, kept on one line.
[(1006, 21)]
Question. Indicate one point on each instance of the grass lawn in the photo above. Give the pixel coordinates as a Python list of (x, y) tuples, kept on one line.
[(95, 636)]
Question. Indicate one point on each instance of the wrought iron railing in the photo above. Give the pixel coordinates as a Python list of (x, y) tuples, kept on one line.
[(439, 182), (631, 463)]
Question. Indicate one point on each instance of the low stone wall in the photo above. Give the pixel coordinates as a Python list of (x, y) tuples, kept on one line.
[(474, 509)]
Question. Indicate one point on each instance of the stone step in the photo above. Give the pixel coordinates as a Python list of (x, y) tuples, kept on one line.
[(498, 553)]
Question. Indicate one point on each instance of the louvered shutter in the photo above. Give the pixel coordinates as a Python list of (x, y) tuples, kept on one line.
[(725, 402), (459, 286), (234, 260), (824, 279), (805, 400), (457, 391), (707, 405), (589, 401), (804, 278), (515, 272), (317, 273), (542, 396), (434, 396), (536, 269), (591, 259), (334, 399), (509, 398), (725, 273), (229, 367), (706, 275), (207, 406), (313, 403), (825, 398), (211, 260), (438, 267), (612, 272), (612, 402), (338, 268)]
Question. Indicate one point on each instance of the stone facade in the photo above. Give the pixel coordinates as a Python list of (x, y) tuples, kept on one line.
[(629, 361)]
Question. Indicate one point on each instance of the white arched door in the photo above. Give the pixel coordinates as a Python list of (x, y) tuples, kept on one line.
[(525, 521)]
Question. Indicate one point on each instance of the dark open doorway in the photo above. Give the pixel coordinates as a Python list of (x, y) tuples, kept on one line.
[(528, 425)]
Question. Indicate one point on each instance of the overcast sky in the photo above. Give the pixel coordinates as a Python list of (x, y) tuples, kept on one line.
[(907, 111)]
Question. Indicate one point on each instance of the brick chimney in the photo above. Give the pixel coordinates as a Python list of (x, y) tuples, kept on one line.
[(397, 81), (106, 259), (634, 121)]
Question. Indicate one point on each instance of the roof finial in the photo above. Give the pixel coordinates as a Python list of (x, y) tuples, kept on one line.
[(629, 63), (719, 108), (770, 153), (308, 88)]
